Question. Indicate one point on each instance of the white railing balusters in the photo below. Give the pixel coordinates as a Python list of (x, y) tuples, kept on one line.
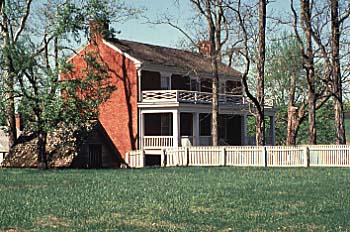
[(193, 97), (157, 141)]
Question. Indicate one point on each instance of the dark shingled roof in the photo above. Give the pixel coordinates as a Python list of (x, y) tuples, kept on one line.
[(170, 57)]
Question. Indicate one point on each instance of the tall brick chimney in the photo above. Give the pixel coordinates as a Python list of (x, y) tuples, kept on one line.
[(204, 47), (98, 29)]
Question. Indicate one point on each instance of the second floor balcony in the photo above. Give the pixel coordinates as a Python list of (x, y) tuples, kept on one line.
[(195, 97)]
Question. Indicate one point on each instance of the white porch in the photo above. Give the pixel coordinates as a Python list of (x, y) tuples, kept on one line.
[(178, 127)]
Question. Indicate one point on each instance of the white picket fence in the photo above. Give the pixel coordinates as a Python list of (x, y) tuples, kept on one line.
[(330, 155), (135, 159), (269, 156)]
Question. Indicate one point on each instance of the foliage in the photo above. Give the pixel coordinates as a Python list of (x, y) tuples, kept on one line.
[(324, 124), (284, 61), (44, 106), (176, 199), (35, 59), (2, 107)]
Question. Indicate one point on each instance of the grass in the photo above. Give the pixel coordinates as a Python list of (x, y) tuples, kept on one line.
[(176, 199)]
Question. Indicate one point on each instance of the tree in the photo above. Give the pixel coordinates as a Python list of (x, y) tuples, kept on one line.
[(213, 12), (216, 33), (2, 107), (260, 122), (286, 81), (13, 17), (245, 15), (284, 72), (307, 50), (45, 100), (336, 22), (317, 24)]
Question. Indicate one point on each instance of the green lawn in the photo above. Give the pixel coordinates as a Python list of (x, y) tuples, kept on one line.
[(176, 199)]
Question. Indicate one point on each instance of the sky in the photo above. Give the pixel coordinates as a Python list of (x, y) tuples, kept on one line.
[(141, 31)]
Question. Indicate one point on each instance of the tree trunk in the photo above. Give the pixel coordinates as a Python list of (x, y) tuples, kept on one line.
[(293, 126), (215, 103), (290, 126), (309, 67), (291, 111), (41, 149), (10, 108), (260, 122), (8, 78), (337, 82)]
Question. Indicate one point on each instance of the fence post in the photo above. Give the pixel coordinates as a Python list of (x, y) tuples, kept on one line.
[(223, 156), (307, 156), (348, 155), (143, 158), (187, 155), (163, 158), (264, 154)]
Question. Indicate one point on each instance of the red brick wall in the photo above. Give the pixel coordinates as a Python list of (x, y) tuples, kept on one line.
[(118, 116)]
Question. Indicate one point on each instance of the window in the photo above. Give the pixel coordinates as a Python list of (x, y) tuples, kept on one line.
[(233, 87), (165, 124), (150, 80), (165, 82), (179, 82), (194, 85), (205, 124), (158, 124), (206, 85)]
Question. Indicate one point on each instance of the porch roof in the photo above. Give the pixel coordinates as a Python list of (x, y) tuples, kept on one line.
[(170, 57)]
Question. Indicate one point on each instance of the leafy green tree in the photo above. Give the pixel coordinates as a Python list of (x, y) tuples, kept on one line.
[(2, 107), (14, 15), (325, 126), (39, 58), (285, 83)]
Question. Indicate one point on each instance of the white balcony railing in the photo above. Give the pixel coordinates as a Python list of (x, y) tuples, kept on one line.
[(188, 97), (194, 97)]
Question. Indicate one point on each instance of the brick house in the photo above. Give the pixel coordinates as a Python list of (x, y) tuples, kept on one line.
[(163, 98)]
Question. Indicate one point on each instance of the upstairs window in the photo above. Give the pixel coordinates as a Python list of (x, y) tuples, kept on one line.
[(150, 80), (233, 87), (179, 82), (165, 83), (206, 85)]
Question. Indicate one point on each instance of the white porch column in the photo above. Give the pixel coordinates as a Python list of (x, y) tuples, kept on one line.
[(176, 128), (272, 129), (141, 129), (244, 129), (195, 122)]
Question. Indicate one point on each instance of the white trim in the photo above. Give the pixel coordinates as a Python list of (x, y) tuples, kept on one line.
[(136, 61), (176, 128), (82, 48), (139, 91)]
